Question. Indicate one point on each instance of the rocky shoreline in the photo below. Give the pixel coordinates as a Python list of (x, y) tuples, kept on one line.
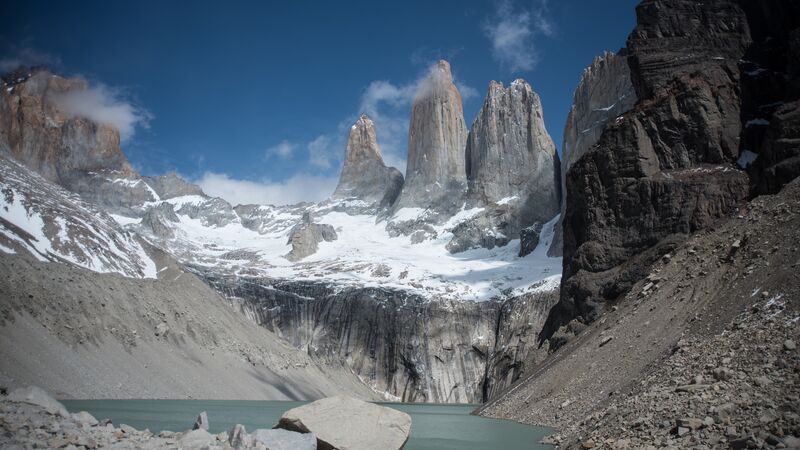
[(30, 418)]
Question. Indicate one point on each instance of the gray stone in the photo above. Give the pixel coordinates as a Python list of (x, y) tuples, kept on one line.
[(364, 175), (789, 345), (511, 159), (437, 135), (37, 396), (306, 236), (280, 439), (238, 437), (84, 418), (196, 439), (345, 422), (201, 422)]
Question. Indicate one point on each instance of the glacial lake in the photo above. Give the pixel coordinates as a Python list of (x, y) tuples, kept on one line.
[(434, 426)]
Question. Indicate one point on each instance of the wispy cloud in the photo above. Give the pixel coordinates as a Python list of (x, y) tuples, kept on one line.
[(27, 56), (105, 105), (322, 153), (283, 149), (512, 32), (389, 104), (301, 187)]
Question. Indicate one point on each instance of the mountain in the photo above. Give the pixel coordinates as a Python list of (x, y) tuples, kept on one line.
[(679, 291), (664, 169), (90, 310), (604, 92), (452, 328), (512, 168), (437, 134), (364, 175)]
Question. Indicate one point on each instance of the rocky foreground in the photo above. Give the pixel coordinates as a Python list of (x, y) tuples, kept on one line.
[(30, 418)]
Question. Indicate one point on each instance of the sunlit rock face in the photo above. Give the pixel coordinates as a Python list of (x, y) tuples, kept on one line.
[(364, 175), (512, 168), (435, 175)]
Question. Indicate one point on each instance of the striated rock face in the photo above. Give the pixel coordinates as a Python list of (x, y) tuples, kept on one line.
[(664, 169), (364, 175), (437, 135), (38, 133), (511, 161), (405, 346), (603, 94)]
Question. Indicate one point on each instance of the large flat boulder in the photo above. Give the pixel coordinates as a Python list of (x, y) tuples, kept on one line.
[(347, 423), (280, 439), (37, 396)]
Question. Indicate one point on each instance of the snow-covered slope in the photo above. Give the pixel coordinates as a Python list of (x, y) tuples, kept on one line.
[(253, 241), (52, 224)]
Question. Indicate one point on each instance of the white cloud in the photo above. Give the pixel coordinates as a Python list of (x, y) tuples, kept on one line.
[(27, 56), (512, 34), (298, 188), (104, 105), (321, 153), (284, 149)]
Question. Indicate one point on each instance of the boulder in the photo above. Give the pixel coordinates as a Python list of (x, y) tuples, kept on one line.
[(306, 236), (85, 419), (345, 422), (37, 396), (196, 439), (280, 439), (201, 422), (238, 437)]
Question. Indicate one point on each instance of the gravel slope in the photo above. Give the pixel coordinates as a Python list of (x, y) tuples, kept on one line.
[(695, 295), (81, 334)]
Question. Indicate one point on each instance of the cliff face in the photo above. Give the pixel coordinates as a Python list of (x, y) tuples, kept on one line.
[(664, 169), (603, 94), (437, 134), (406, 347), (511, 159), (38, 133), (65, 148), (364, 175)]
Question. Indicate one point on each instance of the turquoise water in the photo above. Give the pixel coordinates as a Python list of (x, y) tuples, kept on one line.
[(433, 427)]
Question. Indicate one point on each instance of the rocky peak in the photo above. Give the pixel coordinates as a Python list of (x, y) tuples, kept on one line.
[(364, 175), (511, 162), (59, 145), (509, 152), (604, 92), (435, 174)]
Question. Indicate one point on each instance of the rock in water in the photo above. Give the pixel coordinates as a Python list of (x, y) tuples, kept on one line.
[(345, 422), (306, 236), (201, 422), (238, 437), (437, 135), (364, 175), (603, 94), (510, 158), (628, 196), (280, 439), (37, 396)]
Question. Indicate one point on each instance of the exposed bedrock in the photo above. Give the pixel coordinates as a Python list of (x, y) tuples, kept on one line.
[(435, 175), (603, 94), (512, 168), (404, 346), (664, 169), (364, 175)]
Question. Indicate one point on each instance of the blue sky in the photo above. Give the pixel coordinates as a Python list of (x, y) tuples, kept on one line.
[(254, 99)]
